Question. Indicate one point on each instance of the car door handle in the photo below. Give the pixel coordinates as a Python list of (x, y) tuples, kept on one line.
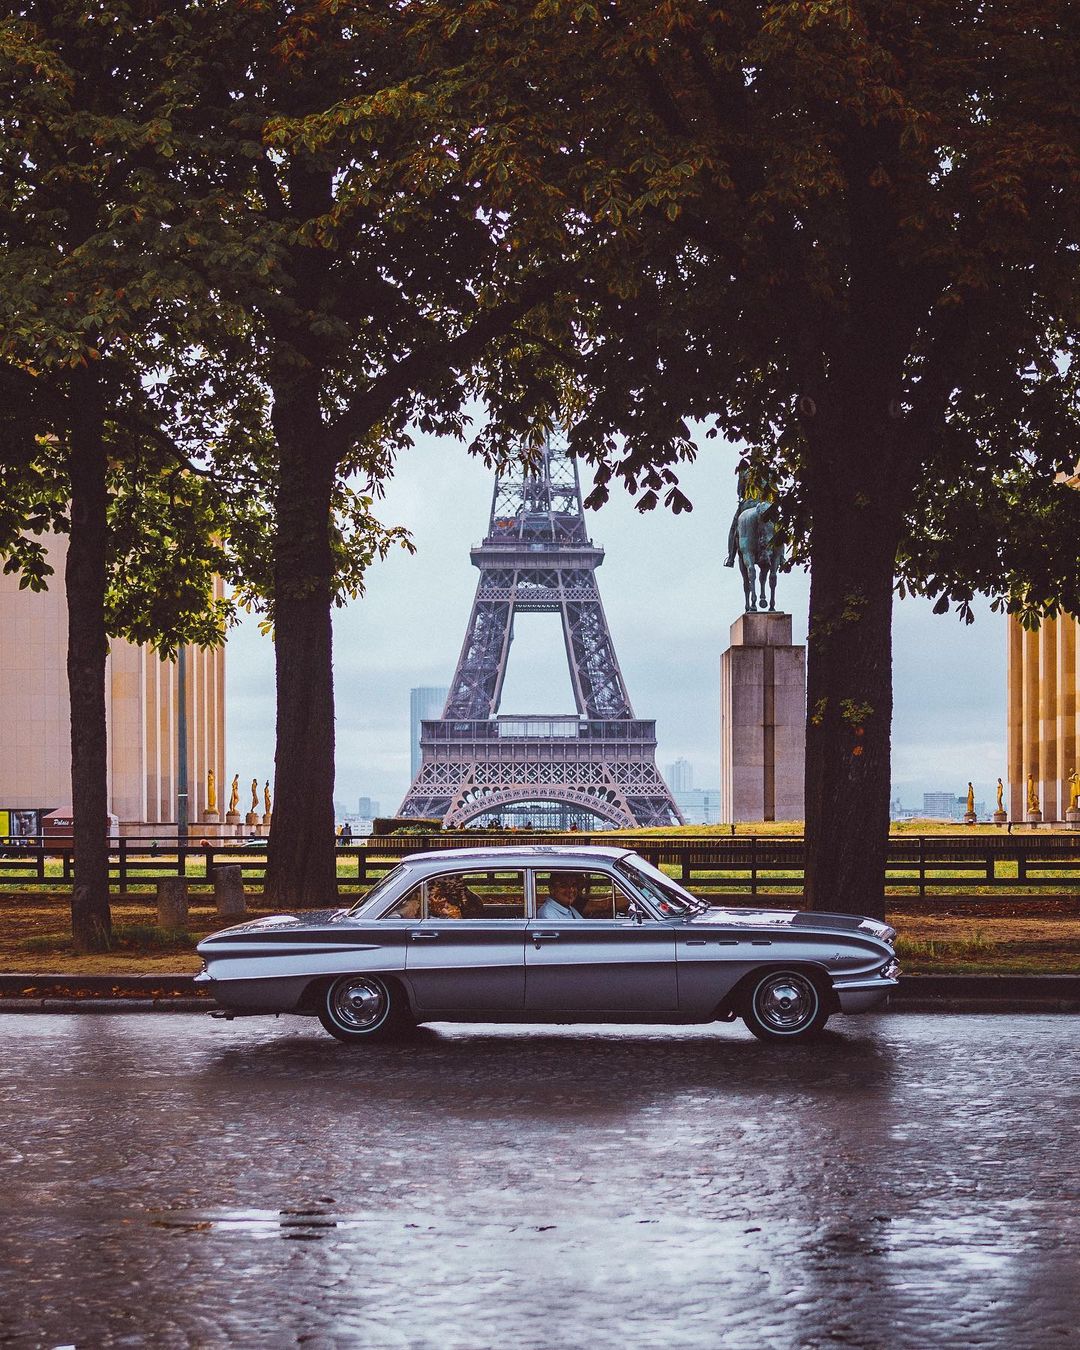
[(537, 936), (419, 936), (695, 942)]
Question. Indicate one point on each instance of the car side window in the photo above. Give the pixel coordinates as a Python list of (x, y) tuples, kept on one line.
[(594, 895), (487, 894), (410, 906)]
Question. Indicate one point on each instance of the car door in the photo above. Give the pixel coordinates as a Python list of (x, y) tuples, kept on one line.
[(469, 957), (606, 960)]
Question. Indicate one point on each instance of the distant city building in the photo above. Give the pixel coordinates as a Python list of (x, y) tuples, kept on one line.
[(426, 701), (947, 806), (698, 806), (898, 811), (680, 776), (367, 808), (942, 806)]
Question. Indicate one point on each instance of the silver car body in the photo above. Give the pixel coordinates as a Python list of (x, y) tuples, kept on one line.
[(643, 966)]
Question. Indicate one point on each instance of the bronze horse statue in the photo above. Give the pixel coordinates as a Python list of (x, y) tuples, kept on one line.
[(758, 550)]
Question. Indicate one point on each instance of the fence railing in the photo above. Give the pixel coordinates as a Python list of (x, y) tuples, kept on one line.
[(757, 867)]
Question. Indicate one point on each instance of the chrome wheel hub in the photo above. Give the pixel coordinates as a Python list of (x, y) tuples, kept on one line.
[(358, 1003), (786, 1002)]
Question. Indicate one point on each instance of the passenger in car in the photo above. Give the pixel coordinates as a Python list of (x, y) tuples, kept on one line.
[(444, 899), (565, 897)]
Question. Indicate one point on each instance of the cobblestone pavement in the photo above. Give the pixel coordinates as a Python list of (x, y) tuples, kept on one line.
[(173, 1181)]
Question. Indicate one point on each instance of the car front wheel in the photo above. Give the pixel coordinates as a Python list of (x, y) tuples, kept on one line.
[(785, 1005), (364, 1008)]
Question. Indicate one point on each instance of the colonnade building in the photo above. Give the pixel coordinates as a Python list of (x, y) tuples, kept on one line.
[(141, 700), (1044, 737), (1043, 698)]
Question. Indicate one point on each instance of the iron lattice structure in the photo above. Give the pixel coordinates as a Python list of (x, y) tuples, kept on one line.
[(538, 557)]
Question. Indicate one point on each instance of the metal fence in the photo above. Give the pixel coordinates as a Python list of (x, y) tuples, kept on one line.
[(761, 867)]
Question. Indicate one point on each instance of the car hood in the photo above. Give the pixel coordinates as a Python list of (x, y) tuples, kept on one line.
[(789, 918)]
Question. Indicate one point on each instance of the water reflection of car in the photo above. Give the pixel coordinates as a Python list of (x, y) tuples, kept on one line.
[(637, 947)]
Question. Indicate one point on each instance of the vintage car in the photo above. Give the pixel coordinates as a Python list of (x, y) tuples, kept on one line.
[(544, 933)]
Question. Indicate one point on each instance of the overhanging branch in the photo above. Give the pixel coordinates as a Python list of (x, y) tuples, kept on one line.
[(427, 364)]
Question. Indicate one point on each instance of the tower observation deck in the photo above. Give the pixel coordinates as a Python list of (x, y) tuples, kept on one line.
[(601, 763)]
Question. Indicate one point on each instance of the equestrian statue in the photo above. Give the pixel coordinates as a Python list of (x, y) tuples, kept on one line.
[(753, 537)]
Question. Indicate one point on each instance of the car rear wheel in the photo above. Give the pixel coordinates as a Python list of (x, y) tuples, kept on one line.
[(785, 1005), (364, 1008)]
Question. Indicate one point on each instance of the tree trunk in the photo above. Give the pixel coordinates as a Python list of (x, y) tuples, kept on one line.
[(853, 543), (301, 868), (85, 578)]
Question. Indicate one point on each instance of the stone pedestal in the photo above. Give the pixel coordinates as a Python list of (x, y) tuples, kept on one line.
[(970, 817), (1001, 819), (251, 820), (232, 818), (210, 818), (1034, 817), (229, 891), (762, 721), (172, 902), (266, 820), (1072, 817)]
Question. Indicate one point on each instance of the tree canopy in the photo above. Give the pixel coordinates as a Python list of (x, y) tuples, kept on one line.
[(843, 235), (840, 233)]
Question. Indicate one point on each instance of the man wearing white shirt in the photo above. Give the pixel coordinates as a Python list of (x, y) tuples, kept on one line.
[(565, 889)]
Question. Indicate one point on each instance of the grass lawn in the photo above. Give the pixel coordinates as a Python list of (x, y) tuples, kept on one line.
[(35, 937)]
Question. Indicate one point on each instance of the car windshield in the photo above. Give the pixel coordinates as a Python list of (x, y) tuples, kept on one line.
[(378, 889), (666, 894)]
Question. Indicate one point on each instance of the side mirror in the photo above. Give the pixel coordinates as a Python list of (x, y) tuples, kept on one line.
[(635, 912)]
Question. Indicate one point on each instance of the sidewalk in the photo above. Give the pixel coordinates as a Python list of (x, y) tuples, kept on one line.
[(178, 993)]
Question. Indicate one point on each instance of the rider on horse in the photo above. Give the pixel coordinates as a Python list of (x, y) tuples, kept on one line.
[(752, 539)]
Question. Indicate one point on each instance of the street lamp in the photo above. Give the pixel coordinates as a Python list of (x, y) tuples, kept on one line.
[(181, 750)]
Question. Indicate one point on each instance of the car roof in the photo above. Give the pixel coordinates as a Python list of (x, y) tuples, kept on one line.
[(521, 854)]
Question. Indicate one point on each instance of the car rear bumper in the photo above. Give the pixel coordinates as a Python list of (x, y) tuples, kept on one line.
[(273, 995)]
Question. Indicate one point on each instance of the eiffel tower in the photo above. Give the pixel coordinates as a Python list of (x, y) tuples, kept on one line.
[(602, 762)]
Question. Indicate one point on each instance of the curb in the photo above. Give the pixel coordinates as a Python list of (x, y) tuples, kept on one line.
[(105, 1005), (46, 993), (37, 991), (987, 993)]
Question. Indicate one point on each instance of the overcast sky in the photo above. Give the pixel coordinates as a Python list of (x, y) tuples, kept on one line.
[(670, 603)]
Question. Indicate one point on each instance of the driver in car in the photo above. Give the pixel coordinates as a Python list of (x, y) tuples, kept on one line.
[(565, 899)]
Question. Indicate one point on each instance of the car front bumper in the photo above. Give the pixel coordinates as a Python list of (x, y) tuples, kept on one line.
[(858, 996)]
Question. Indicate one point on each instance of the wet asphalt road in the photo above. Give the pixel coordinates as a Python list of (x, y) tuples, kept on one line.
[(172, 1181)]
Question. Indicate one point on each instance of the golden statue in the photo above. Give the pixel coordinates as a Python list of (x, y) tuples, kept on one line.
[(266, 796), (1001, 797), (1074, 791), (1032, 796), (254, 794), (211, 791), (234, 795), (971, 800)]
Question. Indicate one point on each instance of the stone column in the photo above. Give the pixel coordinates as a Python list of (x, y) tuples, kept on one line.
[(762, 721)]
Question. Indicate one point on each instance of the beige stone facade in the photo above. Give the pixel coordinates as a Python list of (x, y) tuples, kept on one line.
[(1044, 738), (141, 707), (1043, 698)]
